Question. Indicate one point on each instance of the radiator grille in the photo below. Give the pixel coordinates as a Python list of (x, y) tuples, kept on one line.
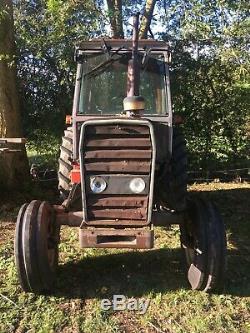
[(117, 152)]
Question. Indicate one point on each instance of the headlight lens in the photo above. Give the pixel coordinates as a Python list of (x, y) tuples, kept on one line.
[(137, 185), (97, 184)]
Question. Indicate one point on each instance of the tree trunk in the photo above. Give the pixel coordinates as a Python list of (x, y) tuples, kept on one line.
[(146, 18), (13, 166), (115, 17), (9, 107)]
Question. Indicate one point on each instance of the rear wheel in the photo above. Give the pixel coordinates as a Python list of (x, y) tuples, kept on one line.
[(203, 241), (65, 166), (36, 246), (175, 193)]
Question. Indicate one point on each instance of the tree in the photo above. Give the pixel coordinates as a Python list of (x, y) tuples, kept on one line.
[(12, 166), (210, 75), (209, 70), (146, 18), (117, 11), (46, 35), (115, 16), (9, 105)]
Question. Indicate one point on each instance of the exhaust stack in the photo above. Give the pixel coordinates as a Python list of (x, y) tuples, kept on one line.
[(134, 104)]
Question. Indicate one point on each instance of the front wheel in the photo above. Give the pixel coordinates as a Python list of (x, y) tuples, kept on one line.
[(36, 246), (203, 241)]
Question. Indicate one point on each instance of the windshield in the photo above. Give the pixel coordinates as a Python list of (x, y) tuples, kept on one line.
[(104, 85)]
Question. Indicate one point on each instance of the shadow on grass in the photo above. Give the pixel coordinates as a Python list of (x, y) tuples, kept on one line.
[(136, 274), (133, 274), (234, 207)]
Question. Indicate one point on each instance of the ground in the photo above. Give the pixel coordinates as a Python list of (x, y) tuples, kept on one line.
[(87, 276)]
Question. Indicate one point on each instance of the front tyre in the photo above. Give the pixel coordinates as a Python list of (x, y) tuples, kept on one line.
[(36, 246), (203, 241)]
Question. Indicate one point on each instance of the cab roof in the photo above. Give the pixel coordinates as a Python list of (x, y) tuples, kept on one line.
[(126, 44)]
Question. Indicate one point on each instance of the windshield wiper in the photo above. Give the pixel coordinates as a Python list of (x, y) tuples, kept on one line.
[(102, 65), (105, 63)]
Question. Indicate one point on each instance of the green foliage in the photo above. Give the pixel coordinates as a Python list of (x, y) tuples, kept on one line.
[(210, 70), (210, 76), (43, 150), (206, 92), (46, 33)]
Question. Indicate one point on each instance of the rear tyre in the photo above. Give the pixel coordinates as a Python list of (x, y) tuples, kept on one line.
[(36, 247), (203, 241), (175, 193), (65, 166)]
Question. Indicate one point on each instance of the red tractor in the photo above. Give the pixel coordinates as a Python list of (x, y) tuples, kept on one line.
[(122, 169)]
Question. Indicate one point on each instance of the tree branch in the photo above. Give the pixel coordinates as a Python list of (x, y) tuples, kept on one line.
[(146, 18), (115, 17)]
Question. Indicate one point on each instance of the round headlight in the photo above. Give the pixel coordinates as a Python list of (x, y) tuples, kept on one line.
[(137, 185), (97, 184)]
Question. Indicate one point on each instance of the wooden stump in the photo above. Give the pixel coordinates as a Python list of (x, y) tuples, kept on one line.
[(13, 167)]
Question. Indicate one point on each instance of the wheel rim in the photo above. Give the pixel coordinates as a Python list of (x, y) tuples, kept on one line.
[(51, 246)]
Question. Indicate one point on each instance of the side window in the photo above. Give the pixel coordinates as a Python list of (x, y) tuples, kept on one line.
[(153, 88)]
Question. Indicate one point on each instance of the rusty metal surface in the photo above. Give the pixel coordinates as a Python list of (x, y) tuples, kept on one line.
[(101, 238), (160, 123), (76, 219), (114, 201), (120, 213), (117, 154), (158, 218), (131, 166), (124, 166), (117, 130), (119, 142), (116, 223), (73, 219), (107, 155)]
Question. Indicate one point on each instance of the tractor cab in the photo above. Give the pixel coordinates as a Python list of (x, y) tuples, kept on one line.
[(107, 75), (102, 77)]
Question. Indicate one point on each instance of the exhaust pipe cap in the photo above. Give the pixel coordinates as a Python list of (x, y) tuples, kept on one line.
[(134, 103)]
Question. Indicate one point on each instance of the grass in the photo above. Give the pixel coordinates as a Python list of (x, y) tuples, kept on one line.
[(87, 276)]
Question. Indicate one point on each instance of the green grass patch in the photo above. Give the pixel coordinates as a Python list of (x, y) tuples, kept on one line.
[(85, 277)]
